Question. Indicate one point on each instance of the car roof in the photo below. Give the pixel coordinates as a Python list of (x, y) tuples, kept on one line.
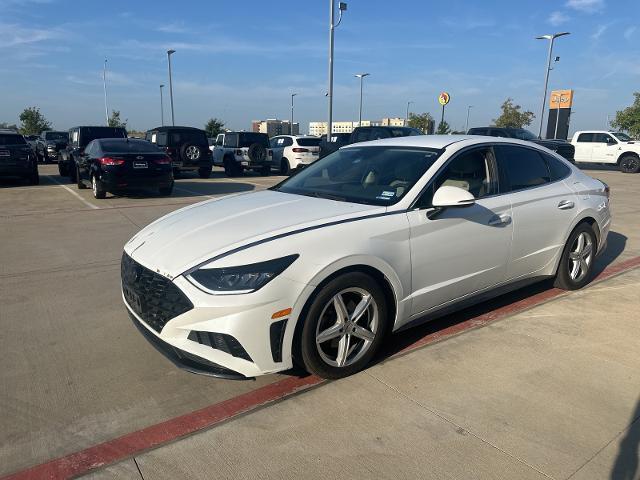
[(94, 126), (438, 141), (166, 128)]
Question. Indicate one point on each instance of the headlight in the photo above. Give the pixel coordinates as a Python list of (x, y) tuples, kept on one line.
[(243, 279)]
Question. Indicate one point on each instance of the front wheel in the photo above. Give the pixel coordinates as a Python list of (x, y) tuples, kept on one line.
[(98, 188), (576, 264), (630, 164), (344, 327)]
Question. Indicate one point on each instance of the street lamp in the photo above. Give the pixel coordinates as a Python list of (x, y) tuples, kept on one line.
[(342, 6), (407, 117), (169, 53), (161, 106), (551, 38), (361, 76), (466, 125), (291, 126), (104, 83)]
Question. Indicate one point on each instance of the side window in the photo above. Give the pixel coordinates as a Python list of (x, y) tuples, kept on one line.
[(521, 167), (219, 140), (287, 141), (557, 169), (90, 149), (161, 139), (473, 171), (75, 136), (609, 139), (380, 133), (273, 143), (362, 135), (600, 138), (585, 137), (231, 140), (149, 137), (498, 133)]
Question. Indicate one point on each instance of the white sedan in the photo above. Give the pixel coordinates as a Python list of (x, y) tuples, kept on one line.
[(373, 238)]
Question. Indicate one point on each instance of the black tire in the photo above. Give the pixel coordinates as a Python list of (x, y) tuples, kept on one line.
[(79, 182), (257, 153), (310, 351), (630, 164), (99, 191), (204, 172), (72, 170), (166, 191), (61, 170), (285, 168), (190, 153), (564, 278)]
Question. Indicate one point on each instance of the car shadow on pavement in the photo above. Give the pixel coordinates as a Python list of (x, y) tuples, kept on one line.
[(625, 466), (616, 243), (185, 188)]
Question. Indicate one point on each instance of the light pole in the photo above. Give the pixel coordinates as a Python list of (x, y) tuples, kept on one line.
[(361, 76), (342, 6), (466, 124), (169, 53), (406, 122), (551, 38), (161, 106), (292, 95), (104, 83)]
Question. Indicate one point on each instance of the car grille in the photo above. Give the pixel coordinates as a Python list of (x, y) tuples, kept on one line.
[(154, 298)]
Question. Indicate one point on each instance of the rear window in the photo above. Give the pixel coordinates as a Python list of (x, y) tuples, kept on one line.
[(249, 138), (557, 169), (12, 139), (521, 168), (56, 136), (189, 136), (92, 133), (131, 146), (308, 142), (585, 137)]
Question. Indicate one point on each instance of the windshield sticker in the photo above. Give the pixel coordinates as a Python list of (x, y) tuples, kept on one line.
[(381, 197), (387, 193)]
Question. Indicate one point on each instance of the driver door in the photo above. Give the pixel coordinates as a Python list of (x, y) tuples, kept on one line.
[(462, 250)]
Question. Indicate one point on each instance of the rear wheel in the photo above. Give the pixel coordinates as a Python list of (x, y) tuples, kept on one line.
[(344, 327), (98, 188), (204, 172), (576, 264), (285, 168), (630, 164)]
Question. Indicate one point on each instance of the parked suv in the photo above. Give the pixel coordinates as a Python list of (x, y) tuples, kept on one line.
[(239, 151), (79, 138), (364, 134), (561, 147), (613, 148), (291, 152), (49, 143), (16, 157), (188, 148)]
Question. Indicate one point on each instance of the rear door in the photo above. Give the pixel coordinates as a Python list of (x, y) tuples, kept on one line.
[(543, 208), (584, 147), (603, 148), (277, 146)]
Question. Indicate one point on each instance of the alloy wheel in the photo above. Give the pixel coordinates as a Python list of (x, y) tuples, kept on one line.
[(192, 152), (347, 327), (630, 164), (580, 257)]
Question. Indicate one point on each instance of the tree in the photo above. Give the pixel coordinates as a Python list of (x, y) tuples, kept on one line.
[(512, 117), (10, 126), (629, 118), (421, 121), (114, 120), (213, 127), (33, 122), (443, 128)]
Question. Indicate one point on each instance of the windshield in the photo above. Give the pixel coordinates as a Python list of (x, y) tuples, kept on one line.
[(308, 142), (623, 137), (131, 146), (249, 138), (369, 175), (56, 136), (522, 134)]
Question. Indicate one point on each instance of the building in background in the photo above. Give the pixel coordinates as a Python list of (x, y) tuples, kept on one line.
[(393, 122), (273, 127), (320, 128)]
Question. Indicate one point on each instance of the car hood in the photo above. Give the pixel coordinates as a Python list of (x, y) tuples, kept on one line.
[(190, 236)]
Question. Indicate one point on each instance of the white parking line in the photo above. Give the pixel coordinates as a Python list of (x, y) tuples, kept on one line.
[(75, 194)]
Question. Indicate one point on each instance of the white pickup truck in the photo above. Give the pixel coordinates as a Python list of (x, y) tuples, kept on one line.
[(614, 148)]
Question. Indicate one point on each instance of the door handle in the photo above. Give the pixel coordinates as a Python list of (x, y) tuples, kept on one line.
[(566, 205), (499, 220)]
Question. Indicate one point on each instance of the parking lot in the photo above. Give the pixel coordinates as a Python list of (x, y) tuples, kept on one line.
[(77, 374)]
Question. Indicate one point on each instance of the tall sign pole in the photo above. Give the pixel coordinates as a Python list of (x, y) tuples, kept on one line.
[(443, 99), (104, 83)]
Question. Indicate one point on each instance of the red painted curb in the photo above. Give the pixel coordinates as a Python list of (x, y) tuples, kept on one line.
[(133, 443)]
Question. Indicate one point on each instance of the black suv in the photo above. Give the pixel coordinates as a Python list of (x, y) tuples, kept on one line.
[(49, 143), (79, 138), (16, 157), (188, 148), (364, 134), (561, 147)]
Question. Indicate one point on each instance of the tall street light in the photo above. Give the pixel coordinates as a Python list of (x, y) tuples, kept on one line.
[(466, 125), (104, 83), (406, 122), (342, 6), (169, 53), (291, 126), (361, 76), (551, 38), (161, 106)]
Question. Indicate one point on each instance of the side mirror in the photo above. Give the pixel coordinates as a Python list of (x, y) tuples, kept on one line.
[(448, 196)]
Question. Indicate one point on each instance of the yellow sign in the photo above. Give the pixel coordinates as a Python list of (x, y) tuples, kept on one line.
[(561, 99), (444, 98)]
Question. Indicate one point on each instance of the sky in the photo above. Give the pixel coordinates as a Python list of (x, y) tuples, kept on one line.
[(240, 61)]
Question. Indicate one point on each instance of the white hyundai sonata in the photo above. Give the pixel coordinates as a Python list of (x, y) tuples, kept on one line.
[(374, 238)]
